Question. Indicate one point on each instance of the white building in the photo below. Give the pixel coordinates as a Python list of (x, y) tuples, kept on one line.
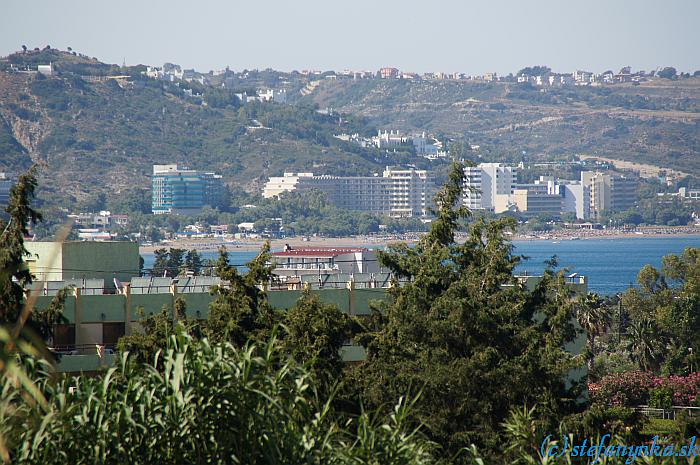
[(297, 261), (286, 183), (576, 198), (427, 147), (46, 70), (488, 186), (389, 139), (471, 188), (271, 95), (397, 193), (497, 180)]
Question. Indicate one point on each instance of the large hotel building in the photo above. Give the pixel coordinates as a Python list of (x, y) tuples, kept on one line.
[(183, 191), (488, 186), (397, 193)]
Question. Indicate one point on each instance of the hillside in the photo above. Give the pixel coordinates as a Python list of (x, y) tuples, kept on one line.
[(99, 135), (98, 127), (657, 122)]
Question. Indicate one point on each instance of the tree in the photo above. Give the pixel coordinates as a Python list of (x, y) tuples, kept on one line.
[(176, 261), (156, 330), (315, 332), (667, 73), (193, 262), (240, 310), (645, 343), (594, 317), (458, 321), (14, 275), (160, 263), (540, 70)]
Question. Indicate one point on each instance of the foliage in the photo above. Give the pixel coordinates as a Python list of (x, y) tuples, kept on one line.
[(664, 313), (14, 276), (460, 321), (204, 403), (594, 317), (315, 333), (173, 262), (635, 388), (668, 72), (600, 419), (155, 331), (240, 310), (661, 397)]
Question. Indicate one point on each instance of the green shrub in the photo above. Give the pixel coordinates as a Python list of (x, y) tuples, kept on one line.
[(661, 397)]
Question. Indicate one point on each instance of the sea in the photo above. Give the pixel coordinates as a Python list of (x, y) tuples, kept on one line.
[(611, 265)]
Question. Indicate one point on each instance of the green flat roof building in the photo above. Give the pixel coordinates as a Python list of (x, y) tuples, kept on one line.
[(59, 261)]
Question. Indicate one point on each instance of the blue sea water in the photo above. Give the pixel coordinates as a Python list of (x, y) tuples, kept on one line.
[(610, 264)]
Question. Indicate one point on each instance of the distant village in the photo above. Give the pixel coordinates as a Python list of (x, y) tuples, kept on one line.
[(540, 76)]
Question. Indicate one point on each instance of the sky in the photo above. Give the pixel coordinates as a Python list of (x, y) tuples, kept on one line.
[(467, 36)]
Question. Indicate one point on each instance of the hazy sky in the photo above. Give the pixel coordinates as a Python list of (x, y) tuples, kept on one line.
[(437, 35)]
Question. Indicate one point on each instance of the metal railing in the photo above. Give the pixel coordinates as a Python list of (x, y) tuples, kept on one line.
[(667, 414)]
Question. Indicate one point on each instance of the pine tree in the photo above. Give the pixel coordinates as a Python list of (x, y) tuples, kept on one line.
[(315, 333), (12, 251), (160, 263), (240, 310), (15, 276), (465, 332), (193, 262), (176, 261)]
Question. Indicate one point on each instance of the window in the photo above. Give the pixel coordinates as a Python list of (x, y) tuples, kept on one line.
[(111, 332), (64, 335)]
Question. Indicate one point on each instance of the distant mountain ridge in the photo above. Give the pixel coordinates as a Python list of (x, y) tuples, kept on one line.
[(99, 134), (655, 122), (99, 127)]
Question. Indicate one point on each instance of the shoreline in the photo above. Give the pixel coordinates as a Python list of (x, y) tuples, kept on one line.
[(250, 245)]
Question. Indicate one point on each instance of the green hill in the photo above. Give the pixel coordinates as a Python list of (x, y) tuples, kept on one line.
[(656, 122), (98, 135)]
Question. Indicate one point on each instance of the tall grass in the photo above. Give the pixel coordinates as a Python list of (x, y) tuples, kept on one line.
[(209, 404)]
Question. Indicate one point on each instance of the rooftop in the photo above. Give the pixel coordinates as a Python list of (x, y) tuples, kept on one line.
[(317, 251)]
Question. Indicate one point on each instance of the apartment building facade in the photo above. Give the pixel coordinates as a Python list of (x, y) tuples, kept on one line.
[(5, 186), (397, 192), (609, 193), (183, 191), (488, 186)]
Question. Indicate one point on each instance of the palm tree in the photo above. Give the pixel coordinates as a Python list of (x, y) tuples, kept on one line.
[(594, 317), (645, 343)]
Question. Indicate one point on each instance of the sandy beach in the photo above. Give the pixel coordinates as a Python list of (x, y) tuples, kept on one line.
[(212, 244)]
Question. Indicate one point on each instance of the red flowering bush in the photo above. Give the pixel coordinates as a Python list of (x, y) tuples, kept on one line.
[(686, 389), (633, 388), (626, 389)]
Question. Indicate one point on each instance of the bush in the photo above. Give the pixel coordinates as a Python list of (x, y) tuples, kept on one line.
[(639, 388), (625, 389), (688, 426), (661, 397), (614, 420)]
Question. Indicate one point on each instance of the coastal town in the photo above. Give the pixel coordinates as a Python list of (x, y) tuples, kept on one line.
[(377, 233)]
